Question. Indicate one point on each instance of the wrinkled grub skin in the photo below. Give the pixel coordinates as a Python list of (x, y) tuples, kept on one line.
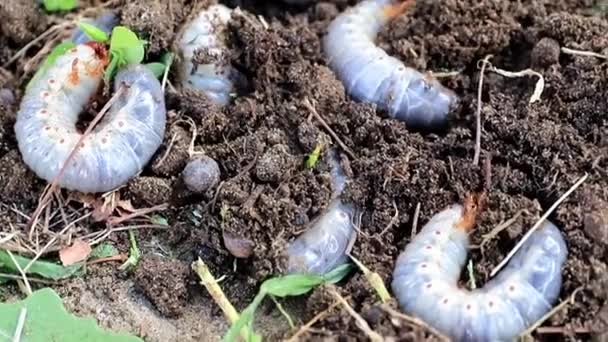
[(267, 196)]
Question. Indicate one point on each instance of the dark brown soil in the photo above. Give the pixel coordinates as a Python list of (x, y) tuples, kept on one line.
[(531, 153)]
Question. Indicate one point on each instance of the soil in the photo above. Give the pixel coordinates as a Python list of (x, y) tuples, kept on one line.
[(531, 154)]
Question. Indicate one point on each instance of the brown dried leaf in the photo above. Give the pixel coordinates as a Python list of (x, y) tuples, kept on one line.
[(77, 252)]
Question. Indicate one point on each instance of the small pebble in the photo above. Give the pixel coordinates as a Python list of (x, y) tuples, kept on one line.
[(545, 52), (7, 98), (201, 174)]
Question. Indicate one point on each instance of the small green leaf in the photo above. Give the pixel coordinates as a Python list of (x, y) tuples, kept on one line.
[(59, 5), (134, 253), (291, 285), (45, 269), (126, 42), (157, 68), (112, 67), (159, 220), (46, 319), (337, 273), (93, 32), (313, 157), (246, 319), (105, 250), (58, 51)]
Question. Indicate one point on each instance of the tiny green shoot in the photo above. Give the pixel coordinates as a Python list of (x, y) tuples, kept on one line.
[(93, 32), (134, 253), (313, 158), (104, 250), (159, 220), (125, 48), (283, 286), (374, 280), (59, 5)]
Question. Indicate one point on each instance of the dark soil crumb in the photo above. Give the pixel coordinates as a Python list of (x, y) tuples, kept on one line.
[(545, 53), (17, 181), (22, 20), (172, 156), (274, 164), (155, 21), (163, 282), (150, 190)]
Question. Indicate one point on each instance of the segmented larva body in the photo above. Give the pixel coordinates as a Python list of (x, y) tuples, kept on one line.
[(207, 34), (369, 74), (118, 147), (105, 22), (324, 245), (425, 281)]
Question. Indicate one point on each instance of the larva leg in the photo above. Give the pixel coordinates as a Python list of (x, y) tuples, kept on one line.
[(370, 75), (426, 276)]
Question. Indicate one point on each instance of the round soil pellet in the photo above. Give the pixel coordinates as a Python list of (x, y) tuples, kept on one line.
[(201, 174)]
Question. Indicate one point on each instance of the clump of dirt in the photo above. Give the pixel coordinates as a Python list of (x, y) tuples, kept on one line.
[(172, 156), (155, 21), (16, 179), (22, 21), (150, 190), (163, 282)]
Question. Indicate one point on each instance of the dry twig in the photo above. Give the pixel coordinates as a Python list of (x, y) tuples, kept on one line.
[(538, 224), (331, 132), (361, 323)]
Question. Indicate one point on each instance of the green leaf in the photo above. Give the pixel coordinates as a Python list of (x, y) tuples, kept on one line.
[(134, 253), (157, 68), (291, 285), (112, 67), (313, 157), (59, 5), (45, 269), (93, 32), (46, 319), (58, 51), (105, 250), (126, 43), (288, 285), (337, 273), (246, 319)]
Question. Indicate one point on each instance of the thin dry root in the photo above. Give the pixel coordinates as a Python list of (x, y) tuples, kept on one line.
[(472, 207), (399, 8)]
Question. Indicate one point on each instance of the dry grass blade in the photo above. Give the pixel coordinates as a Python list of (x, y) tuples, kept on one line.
[(22, 272), (414, 321), (361, 323), (303, 329), (568, 51), (485, 62), (52, 241), (538, 88), (42, 36), (331, 132), (538, 224), (553, 311), (20, 324)]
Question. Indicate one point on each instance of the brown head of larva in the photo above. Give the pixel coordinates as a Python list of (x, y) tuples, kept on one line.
[(395, 10), (472, 207), (100, 50)]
